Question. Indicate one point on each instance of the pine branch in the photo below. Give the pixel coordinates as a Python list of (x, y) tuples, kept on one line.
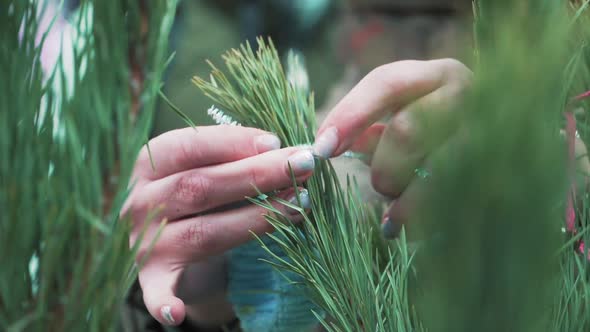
[(339, 252)]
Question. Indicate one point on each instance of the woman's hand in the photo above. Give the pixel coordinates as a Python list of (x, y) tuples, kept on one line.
[(199, 177), (419, 96)]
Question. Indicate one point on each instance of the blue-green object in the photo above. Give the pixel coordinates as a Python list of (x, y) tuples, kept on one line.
[(264, 299)]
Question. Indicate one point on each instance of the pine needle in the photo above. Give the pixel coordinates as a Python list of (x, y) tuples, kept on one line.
[(177, 110)]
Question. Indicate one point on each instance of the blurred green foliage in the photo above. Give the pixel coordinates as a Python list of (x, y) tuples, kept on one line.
[(68, 144)]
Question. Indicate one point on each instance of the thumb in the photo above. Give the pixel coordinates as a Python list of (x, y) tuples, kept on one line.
[(158, 283)]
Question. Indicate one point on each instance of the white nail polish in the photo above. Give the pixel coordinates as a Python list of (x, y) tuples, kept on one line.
[(304, 201), (166, 312), (302, 162), (326, 144)]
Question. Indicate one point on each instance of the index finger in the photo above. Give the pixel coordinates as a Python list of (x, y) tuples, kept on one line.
[(388, 88), (184, 149)]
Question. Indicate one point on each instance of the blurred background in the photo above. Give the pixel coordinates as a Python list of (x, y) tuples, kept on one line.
[(340, 41)]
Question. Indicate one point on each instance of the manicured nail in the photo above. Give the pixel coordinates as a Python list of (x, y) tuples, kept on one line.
[(325, 145), (302, 162), (389, 229), (304, 201), (166, 312), (266, 143)]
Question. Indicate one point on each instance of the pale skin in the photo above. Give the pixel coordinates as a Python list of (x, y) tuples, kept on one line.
[(197, 172), (412, 94)]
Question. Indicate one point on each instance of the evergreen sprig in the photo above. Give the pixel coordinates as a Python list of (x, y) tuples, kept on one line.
[(352, 273)]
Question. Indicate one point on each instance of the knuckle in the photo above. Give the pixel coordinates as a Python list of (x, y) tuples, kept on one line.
[(455, 65), (194, 190), (186, 151), (459, 71), (199, 237), (403, 134), (381, 71)]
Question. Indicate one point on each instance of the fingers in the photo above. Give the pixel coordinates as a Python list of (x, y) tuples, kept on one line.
[(407, 206), (158, 282), (396, 156), (187, 148), (194, 239), (202, 189), (409, 137), (386, 89)]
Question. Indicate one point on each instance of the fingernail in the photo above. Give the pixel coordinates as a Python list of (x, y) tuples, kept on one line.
[(303, 202), (266, 143), (389, 229), (166, 312), (302, 162), (325, 145)]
